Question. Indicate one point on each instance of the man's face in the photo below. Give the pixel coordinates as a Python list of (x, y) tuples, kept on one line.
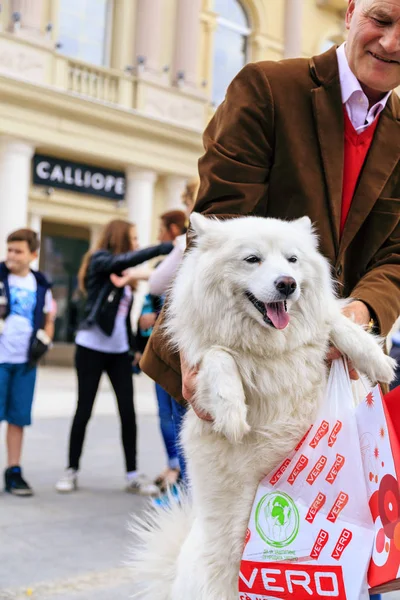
[(19, 257), (373, 45)]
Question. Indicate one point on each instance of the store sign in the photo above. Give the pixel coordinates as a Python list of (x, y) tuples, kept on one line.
[(78, 177)]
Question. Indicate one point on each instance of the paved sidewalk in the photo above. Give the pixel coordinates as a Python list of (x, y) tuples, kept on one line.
[(73, 547)]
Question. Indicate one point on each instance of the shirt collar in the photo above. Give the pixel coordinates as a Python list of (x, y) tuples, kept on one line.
[(349, 83)]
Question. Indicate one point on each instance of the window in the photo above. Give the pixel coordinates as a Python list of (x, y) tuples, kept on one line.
[(230, 45), (84, 27)]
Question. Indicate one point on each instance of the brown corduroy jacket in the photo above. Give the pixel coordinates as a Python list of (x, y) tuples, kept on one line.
[(275, 149)]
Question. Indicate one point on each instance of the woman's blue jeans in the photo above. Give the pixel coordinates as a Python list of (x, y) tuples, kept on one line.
[(171, 415)]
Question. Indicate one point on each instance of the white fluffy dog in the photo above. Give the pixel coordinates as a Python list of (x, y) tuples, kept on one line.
[(253, 305)]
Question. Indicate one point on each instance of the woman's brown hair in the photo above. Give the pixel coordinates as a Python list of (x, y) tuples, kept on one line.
[(115, 238)]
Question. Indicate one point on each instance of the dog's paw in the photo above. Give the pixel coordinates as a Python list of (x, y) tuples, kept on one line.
[(380, 368), (231, 422)]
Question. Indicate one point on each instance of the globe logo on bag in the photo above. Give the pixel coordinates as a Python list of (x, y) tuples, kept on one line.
[(277, 519)]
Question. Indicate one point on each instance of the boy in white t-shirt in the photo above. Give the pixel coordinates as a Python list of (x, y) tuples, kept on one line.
[(26, 331)]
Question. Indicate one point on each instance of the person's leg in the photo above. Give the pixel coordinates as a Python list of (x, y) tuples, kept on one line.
[(5, 377), (167, 426), (19, 409), (14, 444), (119, 370), (179, 412), (89, 367), (375, 597)]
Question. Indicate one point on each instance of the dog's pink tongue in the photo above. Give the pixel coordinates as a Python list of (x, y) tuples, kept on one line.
[(278, 315)]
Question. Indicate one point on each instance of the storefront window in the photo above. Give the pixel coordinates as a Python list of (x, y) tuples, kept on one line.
[(230, 45), (84, 27)]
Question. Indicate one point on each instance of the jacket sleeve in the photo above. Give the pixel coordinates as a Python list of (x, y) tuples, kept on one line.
[(379, 288), (105, 262), (238, 142)]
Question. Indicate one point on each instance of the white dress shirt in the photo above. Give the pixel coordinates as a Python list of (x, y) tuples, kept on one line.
[(354, 98)]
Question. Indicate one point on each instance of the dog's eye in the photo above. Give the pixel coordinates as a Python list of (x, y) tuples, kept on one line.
[(292, 259), (253, 259)]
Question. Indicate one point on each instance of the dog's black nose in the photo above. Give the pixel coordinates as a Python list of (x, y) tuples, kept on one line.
[(286, 286)]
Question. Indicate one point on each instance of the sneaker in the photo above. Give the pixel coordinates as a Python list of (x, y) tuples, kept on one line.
[(68, 482), (143, 486), (15, 484)]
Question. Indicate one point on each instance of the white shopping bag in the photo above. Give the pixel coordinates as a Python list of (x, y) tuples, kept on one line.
[(310, 532)]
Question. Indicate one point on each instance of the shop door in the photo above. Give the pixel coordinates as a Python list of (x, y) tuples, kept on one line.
[(60, 259)]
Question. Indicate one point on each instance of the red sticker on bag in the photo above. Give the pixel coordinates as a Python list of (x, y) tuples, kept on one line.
[(315, 507), (278, 474), (300, 466), (316, 470), (285, 581), (321, 432), (342, 543), (333, 437), (337, 466), (320, 543), (338, 506)]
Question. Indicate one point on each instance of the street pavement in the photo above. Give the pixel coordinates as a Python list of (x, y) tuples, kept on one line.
[(74, 547)]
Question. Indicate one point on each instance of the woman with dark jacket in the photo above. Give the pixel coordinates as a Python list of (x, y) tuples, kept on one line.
[(104, 343)]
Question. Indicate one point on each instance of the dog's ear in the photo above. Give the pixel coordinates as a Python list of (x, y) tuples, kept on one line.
[(200, 224), (305, 224)]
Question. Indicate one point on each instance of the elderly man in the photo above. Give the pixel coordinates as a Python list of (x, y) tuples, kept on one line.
[(317, 137)]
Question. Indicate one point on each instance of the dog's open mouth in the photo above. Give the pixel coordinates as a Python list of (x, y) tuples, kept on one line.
[(274, 313)]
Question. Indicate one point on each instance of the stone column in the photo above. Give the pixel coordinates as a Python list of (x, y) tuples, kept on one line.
[(140, 185), (15, 169), (187, 36), (148, 33), (174, 186), (35, 223), (293, 28), (30, 14)]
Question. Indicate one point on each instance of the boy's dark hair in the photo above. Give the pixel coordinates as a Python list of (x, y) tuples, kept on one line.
[(25, 235), (174, 217)]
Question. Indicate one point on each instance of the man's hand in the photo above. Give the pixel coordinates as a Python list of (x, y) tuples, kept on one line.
[(358, 312), (189, 378)]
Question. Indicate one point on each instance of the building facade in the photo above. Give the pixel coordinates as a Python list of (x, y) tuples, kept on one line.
[(103, 104)]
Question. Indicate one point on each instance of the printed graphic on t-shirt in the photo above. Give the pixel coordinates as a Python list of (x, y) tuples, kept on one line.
[(22, 302)]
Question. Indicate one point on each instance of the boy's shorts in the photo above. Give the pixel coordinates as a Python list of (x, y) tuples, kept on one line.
[(17, 386)]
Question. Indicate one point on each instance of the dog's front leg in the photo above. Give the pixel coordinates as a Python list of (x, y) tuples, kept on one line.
[(362, 349), (220, 393)]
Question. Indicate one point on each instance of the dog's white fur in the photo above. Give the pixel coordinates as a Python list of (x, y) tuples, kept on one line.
[(261, 385)]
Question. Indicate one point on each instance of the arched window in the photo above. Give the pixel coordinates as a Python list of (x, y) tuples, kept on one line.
[(230, 45), (84, 28)]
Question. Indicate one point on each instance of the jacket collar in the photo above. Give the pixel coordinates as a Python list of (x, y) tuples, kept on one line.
[(381, 160)]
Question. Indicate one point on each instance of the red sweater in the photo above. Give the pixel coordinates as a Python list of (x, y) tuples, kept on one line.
[(356, 146)]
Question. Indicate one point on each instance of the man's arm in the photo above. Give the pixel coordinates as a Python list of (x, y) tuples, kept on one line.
[(238, 142), (379, 289)]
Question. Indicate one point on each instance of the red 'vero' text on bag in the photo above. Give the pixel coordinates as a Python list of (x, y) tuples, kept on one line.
[(303, 439), (279, 472), (334, 433), (316, 470), (320, 433), (342, 543), (299, 467), (338, 506), (291, 581), (320, 543), (334, 472), (315, 507)]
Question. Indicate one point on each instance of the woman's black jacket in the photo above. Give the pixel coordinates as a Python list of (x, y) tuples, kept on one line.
[(103, 297)]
